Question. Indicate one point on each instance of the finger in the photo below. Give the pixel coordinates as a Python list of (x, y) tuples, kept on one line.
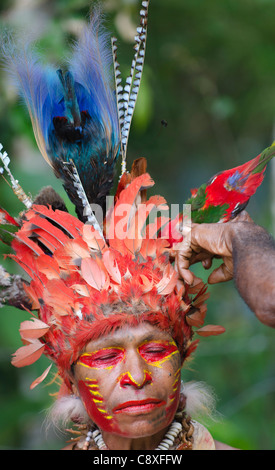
[(182, 264), (199, 257), (220, 274), (184, 254), (187, 276), (207, 263)]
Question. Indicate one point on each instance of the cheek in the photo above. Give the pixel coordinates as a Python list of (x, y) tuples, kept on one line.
[(94, 402), (171, 382), (174, 396)]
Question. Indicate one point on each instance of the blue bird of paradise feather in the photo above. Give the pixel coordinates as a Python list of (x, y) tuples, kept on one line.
[(73, 112)]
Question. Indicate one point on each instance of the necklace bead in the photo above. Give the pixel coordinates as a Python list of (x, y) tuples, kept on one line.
[(165, 444)]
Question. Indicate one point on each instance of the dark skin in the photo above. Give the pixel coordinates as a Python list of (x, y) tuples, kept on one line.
[(248, 255)]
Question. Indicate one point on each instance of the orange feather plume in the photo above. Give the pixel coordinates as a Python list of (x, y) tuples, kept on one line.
[(84, 286)]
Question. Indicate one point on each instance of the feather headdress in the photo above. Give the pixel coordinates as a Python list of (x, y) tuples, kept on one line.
[(86, 278), (84, 286)]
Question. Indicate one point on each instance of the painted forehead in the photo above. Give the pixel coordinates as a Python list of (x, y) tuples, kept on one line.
[(128, 336)]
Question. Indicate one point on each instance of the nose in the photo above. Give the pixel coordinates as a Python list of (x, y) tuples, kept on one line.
[(127, 379), (135, 373)]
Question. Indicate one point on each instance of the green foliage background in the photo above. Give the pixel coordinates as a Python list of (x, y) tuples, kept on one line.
[(210, 75)]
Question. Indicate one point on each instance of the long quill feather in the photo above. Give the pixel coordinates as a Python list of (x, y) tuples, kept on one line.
[(73, 114)]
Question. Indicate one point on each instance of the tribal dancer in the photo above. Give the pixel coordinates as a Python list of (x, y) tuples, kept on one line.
[(105, 302)]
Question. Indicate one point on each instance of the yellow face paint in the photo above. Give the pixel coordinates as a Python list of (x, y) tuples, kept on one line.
[(156, 353), (114, 373), (126, 378), (93, 388), (176, 383), (104, 358)]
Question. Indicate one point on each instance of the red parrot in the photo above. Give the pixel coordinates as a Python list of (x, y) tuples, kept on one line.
[(223, 197), (227, 193)]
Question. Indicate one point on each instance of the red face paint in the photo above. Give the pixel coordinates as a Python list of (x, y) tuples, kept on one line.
[(138, 406), (174, 397), (94, 404), (127, 379), (135, 376), (103, 358), (156, 352)]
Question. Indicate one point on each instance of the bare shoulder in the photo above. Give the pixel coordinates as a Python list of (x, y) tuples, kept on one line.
[(203, 439)]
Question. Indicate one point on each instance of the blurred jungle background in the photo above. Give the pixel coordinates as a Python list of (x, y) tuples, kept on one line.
[(207, 103)]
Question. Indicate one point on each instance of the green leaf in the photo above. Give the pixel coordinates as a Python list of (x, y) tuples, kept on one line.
[(7, 232)]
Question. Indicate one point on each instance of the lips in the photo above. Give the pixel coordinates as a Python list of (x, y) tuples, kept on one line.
[(138, 406)]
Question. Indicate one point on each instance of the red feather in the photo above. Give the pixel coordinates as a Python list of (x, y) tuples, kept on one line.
[(28, 242), (93, 274), (28, 354), (210, 330), (40, 378), (111, 265), (64, 220), (59, 297), (47, 265), (6, 218), (125, 207), (36, 223), (168, 281), (196, 318), (33, 329), (92, 238), (34, 292)]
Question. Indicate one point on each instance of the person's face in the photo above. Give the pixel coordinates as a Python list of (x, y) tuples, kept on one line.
[(129, 381)]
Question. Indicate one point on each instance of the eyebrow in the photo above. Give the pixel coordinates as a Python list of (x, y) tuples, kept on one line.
[(113, 342)]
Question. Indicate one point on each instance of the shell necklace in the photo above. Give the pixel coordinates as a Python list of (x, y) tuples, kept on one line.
[(166, 443)]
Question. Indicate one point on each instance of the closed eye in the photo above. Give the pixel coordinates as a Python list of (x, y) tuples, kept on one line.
[(157, 351), (153, 350), (103, 358), (106, 357)]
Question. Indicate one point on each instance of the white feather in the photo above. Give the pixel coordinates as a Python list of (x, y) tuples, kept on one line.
[(200, 399), (66, 409)]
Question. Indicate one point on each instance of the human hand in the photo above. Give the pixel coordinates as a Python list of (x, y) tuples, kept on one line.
[(207, 241)]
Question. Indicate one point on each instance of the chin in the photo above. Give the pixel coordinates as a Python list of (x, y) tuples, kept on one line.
[(142, 426)]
